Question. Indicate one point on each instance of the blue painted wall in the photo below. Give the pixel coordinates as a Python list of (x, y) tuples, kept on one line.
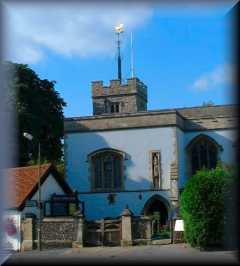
[(226, 138), (136, 143), (97, 205)]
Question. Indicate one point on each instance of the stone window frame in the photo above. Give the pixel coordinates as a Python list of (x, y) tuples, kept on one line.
[(90, 158), (114, 107), (193, 142), (160, 169)]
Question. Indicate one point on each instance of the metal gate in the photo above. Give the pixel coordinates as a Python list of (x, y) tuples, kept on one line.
[(160, 231), (139, 228), (102, 233)]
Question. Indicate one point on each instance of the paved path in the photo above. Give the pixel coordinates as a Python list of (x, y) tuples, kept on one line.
[(177, 253), (4, 255)]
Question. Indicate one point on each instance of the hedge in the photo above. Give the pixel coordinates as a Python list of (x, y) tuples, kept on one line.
[(202, 206)]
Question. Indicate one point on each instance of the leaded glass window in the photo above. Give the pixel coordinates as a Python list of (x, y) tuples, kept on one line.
[(107, 170), (98, 173), (117, 173), (203, 153)]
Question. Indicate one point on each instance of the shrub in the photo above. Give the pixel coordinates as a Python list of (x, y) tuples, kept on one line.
[(202, 206)]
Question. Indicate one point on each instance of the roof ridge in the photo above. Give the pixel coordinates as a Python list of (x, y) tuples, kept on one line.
[(174, 109), (30, 166), (207, 106)]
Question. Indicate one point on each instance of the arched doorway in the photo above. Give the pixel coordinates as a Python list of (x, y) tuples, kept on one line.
[(157, 208)]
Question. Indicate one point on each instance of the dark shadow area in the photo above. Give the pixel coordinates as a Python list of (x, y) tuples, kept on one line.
[(157, 204), (227, 153), (97, 143)]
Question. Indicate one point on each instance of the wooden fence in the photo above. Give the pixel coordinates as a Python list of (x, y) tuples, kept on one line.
[(102, 232)]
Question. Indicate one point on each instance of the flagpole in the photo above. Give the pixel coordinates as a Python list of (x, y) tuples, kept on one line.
[(132, 58)]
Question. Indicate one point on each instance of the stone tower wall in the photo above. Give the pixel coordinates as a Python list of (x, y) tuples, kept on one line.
[(131, 97)]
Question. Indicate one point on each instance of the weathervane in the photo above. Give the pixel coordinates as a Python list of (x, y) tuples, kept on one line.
[(119, 30)]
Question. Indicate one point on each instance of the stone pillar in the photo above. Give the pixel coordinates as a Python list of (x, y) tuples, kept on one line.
[(174, 187), (148, 231), (148, 228), (126, 228), (27, 234), (79, 232)]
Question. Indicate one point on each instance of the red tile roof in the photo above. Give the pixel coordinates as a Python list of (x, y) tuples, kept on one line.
[(22, 183)]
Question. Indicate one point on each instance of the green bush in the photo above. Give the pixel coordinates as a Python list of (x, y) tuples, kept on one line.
[(202, 206)]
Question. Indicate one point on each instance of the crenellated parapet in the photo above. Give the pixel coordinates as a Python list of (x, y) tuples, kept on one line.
[(130, 97), (133, 85)]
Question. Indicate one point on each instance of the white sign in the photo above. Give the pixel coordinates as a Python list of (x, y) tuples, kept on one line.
[(179, 226), (12, 231)]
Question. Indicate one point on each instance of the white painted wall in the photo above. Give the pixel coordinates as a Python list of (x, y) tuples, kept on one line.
[(49, 187), (135, 142), (97, 205), (225, 138), (181, 157)]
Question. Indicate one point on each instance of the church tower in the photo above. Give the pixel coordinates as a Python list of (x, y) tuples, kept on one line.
[(119, 98)]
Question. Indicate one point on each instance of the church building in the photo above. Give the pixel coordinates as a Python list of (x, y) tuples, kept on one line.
[(124, 155)]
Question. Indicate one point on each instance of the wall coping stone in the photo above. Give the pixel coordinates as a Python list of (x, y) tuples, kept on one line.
[(185, 112), (187, 119), (58, 219)]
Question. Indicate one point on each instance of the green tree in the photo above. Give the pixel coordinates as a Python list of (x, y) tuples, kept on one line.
[(39, 111), (203, 206)]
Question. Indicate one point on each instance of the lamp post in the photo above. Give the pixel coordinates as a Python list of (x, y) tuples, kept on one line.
[(30, 138)]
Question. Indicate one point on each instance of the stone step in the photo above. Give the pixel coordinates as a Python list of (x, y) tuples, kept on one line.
[(161, 241)]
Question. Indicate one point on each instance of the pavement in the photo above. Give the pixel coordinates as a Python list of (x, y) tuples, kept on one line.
[(4, 255), (150, 254)]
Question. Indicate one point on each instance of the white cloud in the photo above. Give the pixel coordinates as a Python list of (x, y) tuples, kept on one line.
[(220, 75), (67, 29)]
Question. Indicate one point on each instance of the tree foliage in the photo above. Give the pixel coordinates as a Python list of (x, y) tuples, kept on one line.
[(39, 111), (203, 206)]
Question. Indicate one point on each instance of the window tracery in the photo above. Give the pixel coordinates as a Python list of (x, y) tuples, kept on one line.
[(107, 170), (203, 152)]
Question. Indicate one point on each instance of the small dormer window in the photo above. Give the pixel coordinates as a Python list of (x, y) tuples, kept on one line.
[(115, 108)]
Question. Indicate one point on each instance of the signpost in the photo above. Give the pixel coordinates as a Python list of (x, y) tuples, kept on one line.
[(178, 231)]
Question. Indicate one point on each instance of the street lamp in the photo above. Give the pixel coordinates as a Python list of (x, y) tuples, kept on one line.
[(30, 138)]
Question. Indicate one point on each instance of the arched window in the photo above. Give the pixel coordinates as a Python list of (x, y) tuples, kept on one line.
[(107, 170), (202, 152)]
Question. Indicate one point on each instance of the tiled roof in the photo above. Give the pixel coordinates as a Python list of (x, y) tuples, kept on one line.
[(209, 111), (186, 112), (187, 119), (22, 182)]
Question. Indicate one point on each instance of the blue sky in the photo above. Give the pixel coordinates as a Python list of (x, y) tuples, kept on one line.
[(182, 53)]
